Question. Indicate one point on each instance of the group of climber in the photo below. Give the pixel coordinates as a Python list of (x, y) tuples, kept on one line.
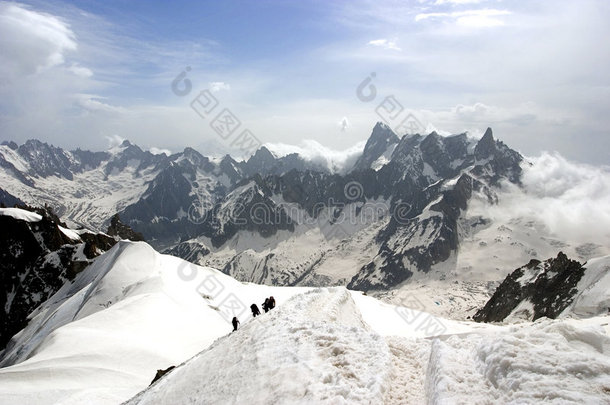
[(268, 305)]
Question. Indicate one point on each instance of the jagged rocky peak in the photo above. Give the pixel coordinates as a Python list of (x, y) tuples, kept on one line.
[(196, 159), (192, 155), (495, 160), (230, 168), (262, 161), (45, 160), (265, 162), (486, 146), (11, 144), (378, 143), (132, 154), (382, 134)]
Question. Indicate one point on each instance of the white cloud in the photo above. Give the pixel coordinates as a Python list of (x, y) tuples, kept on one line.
[(343, 124), (335, 160), (114, 141), (469, 18), (218, 86), (441, 2), (572, 200), (32, 41), (479, 21), (92, 103), (80, 70), (158, 151), (385, 44)]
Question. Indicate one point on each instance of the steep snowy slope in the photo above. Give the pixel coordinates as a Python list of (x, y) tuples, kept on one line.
[(132, 312), (320, 348), (592, 295), (100, 339), (38, 255)]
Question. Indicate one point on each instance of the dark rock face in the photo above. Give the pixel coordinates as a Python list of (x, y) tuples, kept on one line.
[(46, 160), (417, 174), (426, 182), (88, 160), (261, 162), (549, 286), (161, 373), (119, 229), (230, 168), (11, 144), (380, 140), (9, 200), (36, 259), (486, 146), (420, 242), (499, 160), (190, 251), (248, 207)]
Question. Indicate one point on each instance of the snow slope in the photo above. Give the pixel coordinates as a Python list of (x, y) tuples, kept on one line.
[(90, 199), (23, 215), (593, 296), (101, 339), (318, 348), (131, 312)]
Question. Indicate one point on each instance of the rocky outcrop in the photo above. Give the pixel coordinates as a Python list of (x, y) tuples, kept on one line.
[(538, 289), (9, 200), (36, 259), (122, 231)]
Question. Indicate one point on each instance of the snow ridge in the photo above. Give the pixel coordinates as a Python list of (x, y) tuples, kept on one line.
[(318, 337)]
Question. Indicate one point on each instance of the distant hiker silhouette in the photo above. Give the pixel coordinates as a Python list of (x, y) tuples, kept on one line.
[(235, 323), (266, 305), (255, 310), (271, 303)]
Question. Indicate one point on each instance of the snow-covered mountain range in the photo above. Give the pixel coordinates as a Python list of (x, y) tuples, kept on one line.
[(411, 208), (101, 338)]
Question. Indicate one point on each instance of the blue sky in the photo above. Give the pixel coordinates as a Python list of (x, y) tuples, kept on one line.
[(86, 73)]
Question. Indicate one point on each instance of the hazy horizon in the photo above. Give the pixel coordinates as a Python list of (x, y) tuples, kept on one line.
[(82, 73)]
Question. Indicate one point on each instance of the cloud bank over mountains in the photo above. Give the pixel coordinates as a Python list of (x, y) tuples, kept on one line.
[(572, 200)]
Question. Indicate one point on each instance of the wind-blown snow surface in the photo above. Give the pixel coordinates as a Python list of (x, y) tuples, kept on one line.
[(101, 339), (23, 215), (593, 296)]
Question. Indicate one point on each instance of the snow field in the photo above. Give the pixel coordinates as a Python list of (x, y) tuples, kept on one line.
[(408, 373), (546, 362), (593, 295), (101, 338), (294, 354)]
